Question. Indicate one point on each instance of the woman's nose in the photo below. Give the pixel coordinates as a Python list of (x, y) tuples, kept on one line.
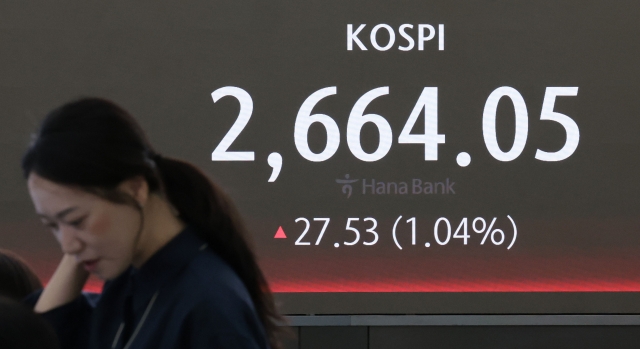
[(69, 241)]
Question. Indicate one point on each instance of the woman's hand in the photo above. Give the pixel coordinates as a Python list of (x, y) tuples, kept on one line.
[(65, 285)]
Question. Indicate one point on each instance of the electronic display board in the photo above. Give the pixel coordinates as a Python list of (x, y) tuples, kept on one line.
[(387, 156)]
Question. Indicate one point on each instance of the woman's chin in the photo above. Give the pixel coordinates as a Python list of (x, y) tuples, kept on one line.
[(106, 274)]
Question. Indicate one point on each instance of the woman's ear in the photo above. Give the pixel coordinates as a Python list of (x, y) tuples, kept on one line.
[(137, 187)]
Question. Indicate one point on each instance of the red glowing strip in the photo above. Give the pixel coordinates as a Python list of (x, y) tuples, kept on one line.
[(94, 286), (298, 286)]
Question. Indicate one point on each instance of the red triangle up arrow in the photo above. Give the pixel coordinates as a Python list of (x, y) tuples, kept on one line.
[(280, 234)]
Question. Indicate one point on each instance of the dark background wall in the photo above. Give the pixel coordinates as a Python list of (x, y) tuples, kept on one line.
[(162, 59), (577, 218)]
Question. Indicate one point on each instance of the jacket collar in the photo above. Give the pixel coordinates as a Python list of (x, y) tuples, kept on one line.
[(163, 266)]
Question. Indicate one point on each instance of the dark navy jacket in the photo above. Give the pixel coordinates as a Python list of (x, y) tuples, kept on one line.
[(185, 296)]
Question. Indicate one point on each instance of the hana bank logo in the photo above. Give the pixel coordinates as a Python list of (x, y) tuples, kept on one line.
[(346, 185), (413, 186)]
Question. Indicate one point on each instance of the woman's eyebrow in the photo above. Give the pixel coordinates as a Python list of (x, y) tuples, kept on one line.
[(61, 214)]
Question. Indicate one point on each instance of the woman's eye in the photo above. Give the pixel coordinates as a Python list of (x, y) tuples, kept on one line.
[(77, 223)]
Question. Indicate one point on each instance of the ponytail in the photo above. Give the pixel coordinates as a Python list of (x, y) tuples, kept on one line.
[(203, 205)]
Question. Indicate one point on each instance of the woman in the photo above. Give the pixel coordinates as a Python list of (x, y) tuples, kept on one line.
[(179, 271)]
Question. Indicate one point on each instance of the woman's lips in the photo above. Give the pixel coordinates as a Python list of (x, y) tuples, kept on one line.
[(90, 265)]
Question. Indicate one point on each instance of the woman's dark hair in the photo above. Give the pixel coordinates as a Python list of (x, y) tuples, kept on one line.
[(17, 280), (94, 144), (21, 328)]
